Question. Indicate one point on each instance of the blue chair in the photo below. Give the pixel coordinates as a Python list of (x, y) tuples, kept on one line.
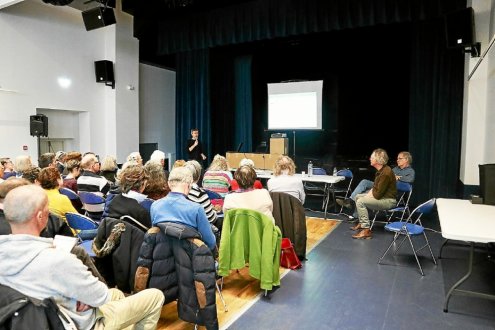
[(93, 204), (69, 193), (146, 203), (404, 192), (411, 227), (86, 230), (342, 189), (213, 195)]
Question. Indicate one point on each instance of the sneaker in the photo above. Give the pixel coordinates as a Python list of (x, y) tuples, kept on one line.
[(344, 202)]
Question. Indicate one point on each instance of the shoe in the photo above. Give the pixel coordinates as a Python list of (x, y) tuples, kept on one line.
[(363, 234), (344, 202), (356, 227)]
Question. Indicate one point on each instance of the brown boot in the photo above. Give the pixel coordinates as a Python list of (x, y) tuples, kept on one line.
[(356, 227), (363, 234)]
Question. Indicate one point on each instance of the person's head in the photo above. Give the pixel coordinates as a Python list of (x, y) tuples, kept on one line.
[(135, 156), (404, 159), (219, 163), (378, 157), (50, 178), (194, 133), (109, 164), (73, 166), (8, 165), (73, 155), (90, 163), (284, 165), (31, 174), (157, 184), (195, 167), (245, 177), (60, 156), (10, 184), (133, 177), (246, 161), (2, 169), (46, 160), (26, 209), (158, 156), (179, 163), (22, 163), (180, 180)]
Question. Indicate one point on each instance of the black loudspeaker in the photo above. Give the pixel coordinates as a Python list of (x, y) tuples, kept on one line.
[(98, 17), (487, 183), (459, 28), (104, 72), (38, 125)]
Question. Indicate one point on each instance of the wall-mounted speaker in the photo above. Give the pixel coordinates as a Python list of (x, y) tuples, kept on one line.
[(104, 72), (38, 125), (98, 17), (459, 28)]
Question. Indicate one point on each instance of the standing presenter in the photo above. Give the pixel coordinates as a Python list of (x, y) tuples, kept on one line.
[(195, 148)]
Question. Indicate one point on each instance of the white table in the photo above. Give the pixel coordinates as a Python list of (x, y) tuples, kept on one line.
[(463, 221), (327, 180)]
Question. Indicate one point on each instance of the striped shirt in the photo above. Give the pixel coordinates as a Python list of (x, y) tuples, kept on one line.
[(199, 195), (91, 182), (217, 181)]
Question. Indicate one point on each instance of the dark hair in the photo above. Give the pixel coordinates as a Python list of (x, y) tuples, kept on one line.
[(245, 176), (31, 174), (46, 159), (49, 177)]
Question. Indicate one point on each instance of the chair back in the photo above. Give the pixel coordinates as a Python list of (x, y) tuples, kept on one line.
[(213, 194), (92, 202), (404, 192), (424, 208), (345, 173), (69, 193), (319, 171), (80, 222), (146, 203)]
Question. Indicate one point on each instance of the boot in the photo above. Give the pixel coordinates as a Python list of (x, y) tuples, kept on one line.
[(344, 202), (356, 227), (363, 234)]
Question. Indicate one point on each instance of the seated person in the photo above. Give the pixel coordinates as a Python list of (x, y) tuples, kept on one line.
[(247, 197), (30, 263), (257, 184), (73, 168), (132, 182), (21, 164), (51, 180), (218, 177), (198, 194), (175, 207), (8, 168), (381, 196), (90, 180), (109, 168), (284, 179), (157, 186), (403, 172)]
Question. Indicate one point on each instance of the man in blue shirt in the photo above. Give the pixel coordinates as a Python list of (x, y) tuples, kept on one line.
[(175, 207)]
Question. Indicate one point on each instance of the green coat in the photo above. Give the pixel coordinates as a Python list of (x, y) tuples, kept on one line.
[(250, 237)]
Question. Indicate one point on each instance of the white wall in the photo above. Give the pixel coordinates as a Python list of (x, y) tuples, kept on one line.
[(42, 42), (157, 103)]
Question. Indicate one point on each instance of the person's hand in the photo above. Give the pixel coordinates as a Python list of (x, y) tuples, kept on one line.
[(203, 156), (80, 307), (195, 142)]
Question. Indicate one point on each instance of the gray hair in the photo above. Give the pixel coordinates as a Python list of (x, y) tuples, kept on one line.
[(380, 155), (157, 155), (23, 202), (195, 167), (407, 155), (246, 161), (179, 175)]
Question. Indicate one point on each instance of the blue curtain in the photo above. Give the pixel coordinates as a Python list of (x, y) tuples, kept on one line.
[(243, 117)]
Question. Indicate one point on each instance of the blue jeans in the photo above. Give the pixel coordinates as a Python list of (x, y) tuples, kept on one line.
[(362, 187)]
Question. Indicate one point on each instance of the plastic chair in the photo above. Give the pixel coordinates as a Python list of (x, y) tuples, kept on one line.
[(404, 192), (93, 204), (342, 189), (86, 230), (411, 227), (69, 193), (215, 198), (146, 203)]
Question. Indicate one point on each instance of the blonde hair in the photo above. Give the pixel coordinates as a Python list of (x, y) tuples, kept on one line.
[(179, 163), (380, 155), (284, 163), (22, 163), (219, 163), (109, 164)]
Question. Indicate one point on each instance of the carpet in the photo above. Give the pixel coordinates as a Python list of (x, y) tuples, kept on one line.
[(240, 290)]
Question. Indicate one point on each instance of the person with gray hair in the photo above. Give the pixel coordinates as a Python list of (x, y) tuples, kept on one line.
[(33, 266), (382, 195), (197, 194), (175, 207), (90, 180)]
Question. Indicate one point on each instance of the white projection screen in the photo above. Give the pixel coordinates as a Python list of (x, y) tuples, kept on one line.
[(295, 105)]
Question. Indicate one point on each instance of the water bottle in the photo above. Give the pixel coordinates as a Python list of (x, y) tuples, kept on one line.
[(310, 168), (335, 171)]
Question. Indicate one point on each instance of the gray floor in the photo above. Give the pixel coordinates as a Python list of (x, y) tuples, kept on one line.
[(341, 286)]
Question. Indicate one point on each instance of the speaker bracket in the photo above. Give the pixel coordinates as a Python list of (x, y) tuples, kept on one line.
[(110, 83), (474, 49)]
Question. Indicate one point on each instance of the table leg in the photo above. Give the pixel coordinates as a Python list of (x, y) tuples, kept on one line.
[(464, 278), (441, 248)]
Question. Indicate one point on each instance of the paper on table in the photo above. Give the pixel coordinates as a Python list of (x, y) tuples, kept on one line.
[(65, 243)]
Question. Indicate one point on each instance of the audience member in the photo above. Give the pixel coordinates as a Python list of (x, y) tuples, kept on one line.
[(51, 180), (198, 194), (47, 160), (403, 172), (159, 157), (179, 163), (218, 177), (132, 181), (21, 164), (175, 207), (8, 168), (157, 186), (1, 173), (89, 180), (109, 168), (60, 161), (247, 197), (135, 156), (257, 183), (73, 155), (284, 179), (31, 174), (382, 195), (31, 263), (73, 168)]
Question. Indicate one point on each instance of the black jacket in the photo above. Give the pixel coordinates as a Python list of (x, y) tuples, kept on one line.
[(175, 260)]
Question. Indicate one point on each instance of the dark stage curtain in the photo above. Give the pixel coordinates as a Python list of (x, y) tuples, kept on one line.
[(243, 104), (193, 100)]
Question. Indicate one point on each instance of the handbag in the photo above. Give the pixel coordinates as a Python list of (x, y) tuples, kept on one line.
[(288, 256)]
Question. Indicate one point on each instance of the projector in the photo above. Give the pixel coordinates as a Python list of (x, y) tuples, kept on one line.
[(278, 135)]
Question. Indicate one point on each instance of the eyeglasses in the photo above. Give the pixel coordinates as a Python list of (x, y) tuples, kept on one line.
[(399, 158)]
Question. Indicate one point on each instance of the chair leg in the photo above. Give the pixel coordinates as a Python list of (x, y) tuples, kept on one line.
[(429, 248), (400, 244), (392, 243), (221, 296), (415, 255)]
